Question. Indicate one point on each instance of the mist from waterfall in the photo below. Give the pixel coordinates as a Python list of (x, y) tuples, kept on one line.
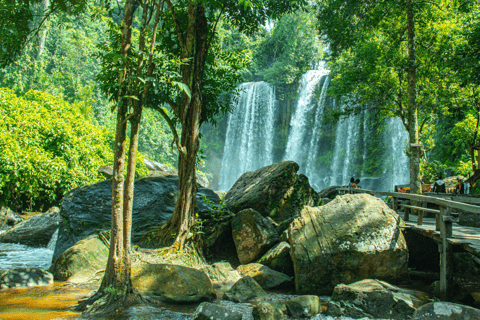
[(250, 129)]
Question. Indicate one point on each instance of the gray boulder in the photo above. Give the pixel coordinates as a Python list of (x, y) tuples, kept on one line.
[(212, 311), (87, 210), (25, 277), (445, 311), (303, 306), (264, 276), (246, 289), (8, 218), (278, 258), (352, 238), (252, 234), (375, 299), (276, 191), (36, 231), (171, 283), (160, 170)]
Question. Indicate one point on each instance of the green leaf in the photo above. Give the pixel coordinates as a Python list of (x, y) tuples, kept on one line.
[(183, 87)]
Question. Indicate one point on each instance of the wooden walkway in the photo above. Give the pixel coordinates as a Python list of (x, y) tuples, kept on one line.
[(466, 237)]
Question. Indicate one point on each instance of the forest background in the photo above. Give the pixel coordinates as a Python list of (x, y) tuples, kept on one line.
[(73, 119)]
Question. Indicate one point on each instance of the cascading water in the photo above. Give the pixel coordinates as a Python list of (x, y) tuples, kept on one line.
[(328, 155), (304, 112), (249, 139), (400, 162)]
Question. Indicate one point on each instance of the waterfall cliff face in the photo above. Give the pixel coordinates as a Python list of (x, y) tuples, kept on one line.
[(362, 145), (249, 138)]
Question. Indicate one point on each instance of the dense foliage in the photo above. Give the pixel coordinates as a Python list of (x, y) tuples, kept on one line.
[(47, 147)]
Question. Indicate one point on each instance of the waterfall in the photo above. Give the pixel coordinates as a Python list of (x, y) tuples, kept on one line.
[(250, 129), (53, 241), (397, 137), (360, 145), (299, 125), (311, 169)]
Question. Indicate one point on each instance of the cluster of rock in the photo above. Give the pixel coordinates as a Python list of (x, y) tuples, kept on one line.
[(280, 231)]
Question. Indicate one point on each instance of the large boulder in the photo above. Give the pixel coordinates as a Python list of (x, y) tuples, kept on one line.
[(275, 191), (81, 262), (264, 276), (8, 218), (25, 277), (252, 234), (375, 299), (171, 283), (36, 231), (244, 290), (278, 258), (445, 311), (87, 210), (352, 238)]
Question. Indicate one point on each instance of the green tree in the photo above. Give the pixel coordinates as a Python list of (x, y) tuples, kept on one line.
[(192, 38), (382, 58)]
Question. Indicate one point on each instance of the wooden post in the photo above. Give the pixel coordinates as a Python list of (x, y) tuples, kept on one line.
[(446, 275), (406, 214), (395, 204), (437, 221), (420, 214)]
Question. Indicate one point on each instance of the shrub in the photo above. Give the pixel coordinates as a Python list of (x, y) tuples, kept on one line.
[(47, 148)]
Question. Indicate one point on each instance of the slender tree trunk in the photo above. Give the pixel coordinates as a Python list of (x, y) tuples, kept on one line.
[(116, 290), (415, 178)]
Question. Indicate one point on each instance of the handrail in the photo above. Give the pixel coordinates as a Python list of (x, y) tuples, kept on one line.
[(443, 223), (416, 197)]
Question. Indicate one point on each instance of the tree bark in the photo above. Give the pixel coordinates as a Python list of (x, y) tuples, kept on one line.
[(415, 178)]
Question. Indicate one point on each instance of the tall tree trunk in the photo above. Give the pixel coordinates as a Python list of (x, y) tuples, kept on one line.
[(116, 290), (415, 178), (43, 33)]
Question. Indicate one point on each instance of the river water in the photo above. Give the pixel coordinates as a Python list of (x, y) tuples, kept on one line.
[(57, 301)]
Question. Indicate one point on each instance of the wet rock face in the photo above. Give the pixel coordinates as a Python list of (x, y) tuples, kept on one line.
[(172, 283), (87, 210), (274, 190), (375, 299), (445, 311), (25, 277), (36, 231), (252, 234), (352, 238)]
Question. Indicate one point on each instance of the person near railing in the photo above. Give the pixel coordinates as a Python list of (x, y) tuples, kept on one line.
[(439, 185), (460, 187)]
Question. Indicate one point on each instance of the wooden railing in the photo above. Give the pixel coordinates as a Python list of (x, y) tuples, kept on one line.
[(447, 213)]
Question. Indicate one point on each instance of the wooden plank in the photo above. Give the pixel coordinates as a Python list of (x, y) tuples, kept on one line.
[(420, 208)]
